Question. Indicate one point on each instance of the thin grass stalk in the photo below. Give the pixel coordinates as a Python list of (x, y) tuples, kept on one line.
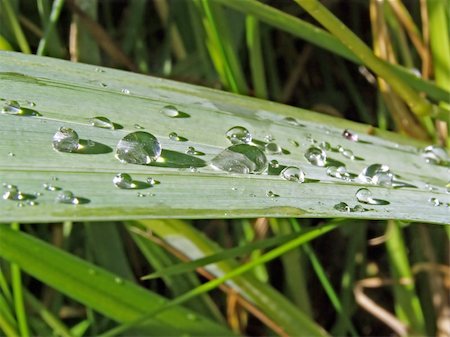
[(257, 67), (53, 20), (15, 26)]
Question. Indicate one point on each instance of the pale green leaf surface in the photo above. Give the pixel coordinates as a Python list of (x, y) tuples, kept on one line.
[(68, 94)]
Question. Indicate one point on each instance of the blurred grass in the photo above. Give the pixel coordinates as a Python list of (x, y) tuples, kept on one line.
[(260, 49)]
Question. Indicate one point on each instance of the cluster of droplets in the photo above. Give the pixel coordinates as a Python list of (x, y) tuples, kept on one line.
[(14, 108), (436, 155)]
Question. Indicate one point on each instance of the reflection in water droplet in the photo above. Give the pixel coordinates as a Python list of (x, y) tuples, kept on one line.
[(138, 148), (125, 91), (338, 172), (342, 207), (435, 155), (12, 193), (316, 156), (239, 135), (272, 148), (101, 122), (293, 173), (193, 152), (271, 194), (123, 181), (66, 140), (241, 158), (377, 174), (67, 197), (347, 134), (435, 201)]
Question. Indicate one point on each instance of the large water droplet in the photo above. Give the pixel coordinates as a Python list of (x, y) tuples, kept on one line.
[(316, 156), (377, 174), (239, 135), (273, 148), (101, 122), (123, 181), (435, 155), (66, 140), (293, 173), (138, 148), (12, 193), (347, 134), (241, 158), (67, 197)]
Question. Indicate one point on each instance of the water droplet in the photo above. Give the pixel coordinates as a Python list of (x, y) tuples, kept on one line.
[(294, 142), (291, 121), (125, 91), (175, 137), (347, 134), (123, 181), (139, 127), (141, 195), (293, 173), (268, 138), (138, 148), (173, 112), (435, 201), (12, 193), (54, 178), (101, 122), (193, 152), (118, 280), (338, 172), (272, 148), (10, 154), (365, 196), (316, 156), (103, 85), (14, 108), (152, 182), (325, 146), (348, 154), (239, 135), (67, 197), (31, 104), (50, 187), (99, 70), (274, 164), (66, 140), (435, 155), (358, 208), (271, 194), (342, 207), (21, 204), (241, 158), (234, 189), (377, 174), (193, 169)]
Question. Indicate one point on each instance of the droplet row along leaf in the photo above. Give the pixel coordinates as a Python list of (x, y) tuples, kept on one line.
[(189, 187)]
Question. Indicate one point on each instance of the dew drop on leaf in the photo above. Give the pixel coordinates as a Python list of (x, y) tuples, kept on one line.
[(342, 207), (435, 155), (123, 181), (12, 193), (241, 158), (293, 173), (66, 140), (272, 148), (377, 174), (101, 122), (316, 156), (239, 135), (67, 197), (138, 148)]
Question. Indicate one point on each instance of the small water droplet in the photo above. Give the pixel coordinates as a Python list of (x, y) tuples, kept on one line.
[(435, 201), (138, 148), (103, 85), (66, 140), (123, 181), (310, 139), (294, 142), (141, 195), (347, 134), (364, 196), (125, 91), (271, 194), (342, 207), (377, 174), (67, 197), (50, 187), (118, 280), (325, 146), (99, 70), (10, 154), (348, 154), (173, 112), (12, 193), (293, 173), (316, 156), (291, 121), (435, 155), (269, 138), (151, 181), (14, 108), (274, 164), (358, 208), (21, 204), (193, 152), (31, 104), (139, 127), (338, 172), (175, 137), (239, 135), (234, 189), (193, 169), (272, 148), (101, 122), (241, 158)]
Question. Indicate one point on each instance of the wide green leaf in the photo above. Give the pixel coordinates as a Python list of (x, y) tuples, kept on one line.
[(68, 95)]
